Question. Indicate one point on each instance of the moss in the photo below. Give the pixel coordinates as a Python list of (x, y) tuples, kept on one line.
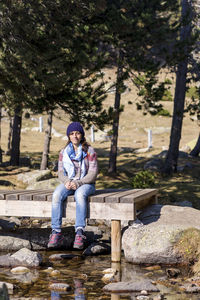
[(188, 246)]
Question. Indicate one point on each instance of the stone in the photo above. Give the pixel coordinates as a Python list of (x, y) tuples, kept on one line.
[(27, 257), (4, 292), (60, 287), (154, 242), (97, 248), (155, 164), (60, 256), (131, 286), (34, 176), (51, 183), (20, 270), (9, 286)]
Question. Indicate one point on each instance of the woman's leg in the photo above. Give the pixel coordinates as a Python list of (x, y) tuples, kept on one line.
[(81, 197), (60, 194)]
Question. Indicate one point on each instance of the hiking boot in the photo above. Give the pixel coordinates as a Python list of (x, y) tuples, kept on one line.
[(80, 240), (55, 240)]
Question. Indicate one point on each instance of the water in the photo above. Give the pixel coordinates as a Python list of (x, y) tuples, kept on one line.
[(84, 275)]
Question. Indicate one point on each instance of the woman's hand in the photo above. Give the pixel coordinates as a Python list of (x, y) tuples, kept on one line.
[(68, 185), (73, 185)]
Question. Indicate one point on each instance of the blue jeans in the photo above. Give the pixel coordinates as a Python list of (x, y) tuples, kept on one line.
[(59, 196)]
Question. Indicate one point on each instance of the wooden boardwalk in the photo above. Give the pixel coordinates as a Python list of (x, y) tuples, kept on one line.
[(110, 204)]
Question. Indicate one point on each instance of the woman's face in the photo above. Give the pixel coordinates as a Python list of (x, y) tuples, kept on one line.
[(75, 137)]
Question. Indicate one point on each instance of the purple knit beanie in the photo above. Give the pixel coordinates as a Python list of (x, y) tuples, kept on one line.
[(75, 126)]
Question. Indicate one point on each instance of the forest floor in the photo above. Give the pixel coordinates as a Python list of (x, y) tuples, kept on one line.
[(133, 128)]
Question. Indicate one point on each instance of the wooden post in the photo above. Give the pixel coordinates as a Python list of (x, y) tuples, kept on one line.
[(115, 240), (115, 297), (116, 266)]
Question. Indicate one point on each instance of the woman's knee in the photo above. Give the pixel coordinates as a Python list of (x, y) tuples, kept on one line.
[(58, 194)]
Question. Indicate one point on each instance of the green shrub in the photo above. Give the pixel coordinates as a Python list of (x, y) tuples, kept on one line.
[(192, 92), (143, 179), (167, 96), (164, 113)]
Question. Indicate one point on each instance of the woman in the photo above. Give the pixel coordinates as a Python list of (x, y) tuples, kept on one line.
[(77, 170)]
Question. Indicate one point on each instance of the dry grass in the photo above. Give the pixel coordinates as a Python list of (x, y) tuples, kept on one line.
[(189, 248), (132, 135)]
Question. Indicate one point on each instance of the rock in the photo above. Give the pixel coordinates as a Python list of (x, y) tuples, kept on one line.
[(185, 167), (60, 287), (131, 286), (173, 272), (55, 273), (163, 154), (97, 248), (51, 183), (60, 256), (142, 297), (27, 257), (154, 242), (20, 270), (11, 223), (4, 292), (110, 275), (9, 286), (142, 150), (36, 175), (154, 164)]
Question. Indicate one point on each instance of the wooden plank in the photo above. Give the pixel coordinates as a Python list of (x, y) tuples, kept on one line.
[(24, 209), (144, 194), (42, 196), (23, 195), (3, 193), (102, 196), (111, 211), (117, 197), (96, 210), (139, 195)]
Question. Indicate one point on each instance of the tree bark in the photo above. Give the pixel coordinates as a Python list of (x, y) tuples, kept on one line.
[(47, 140), (113, 149), (0, 134), (195, 151), (9, 135), (16, 137), (179, 99)]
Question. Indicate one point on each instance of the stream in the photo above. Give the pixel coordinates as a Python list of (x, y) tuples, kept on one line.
[(84, 276)]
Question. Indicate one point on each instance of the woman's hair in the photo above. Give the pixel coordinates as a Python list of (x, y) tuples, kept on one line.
[(84, 143)]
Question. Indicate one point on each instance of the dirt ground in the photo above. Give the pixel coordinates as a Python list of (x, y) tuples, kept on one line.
[(133, 128)]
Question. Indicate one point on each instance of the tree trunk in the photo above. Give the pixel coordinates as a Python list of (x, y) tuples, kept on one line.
[(179, 99), (195, 151), (113, 150), (9, 135), (16, 137), (45, 155), (0, 134)]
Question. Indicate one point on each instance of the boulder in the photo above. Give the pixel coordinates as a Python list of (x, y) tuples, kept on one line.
[(34, 176), (51, 183), (153, 242), (26, 257)]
